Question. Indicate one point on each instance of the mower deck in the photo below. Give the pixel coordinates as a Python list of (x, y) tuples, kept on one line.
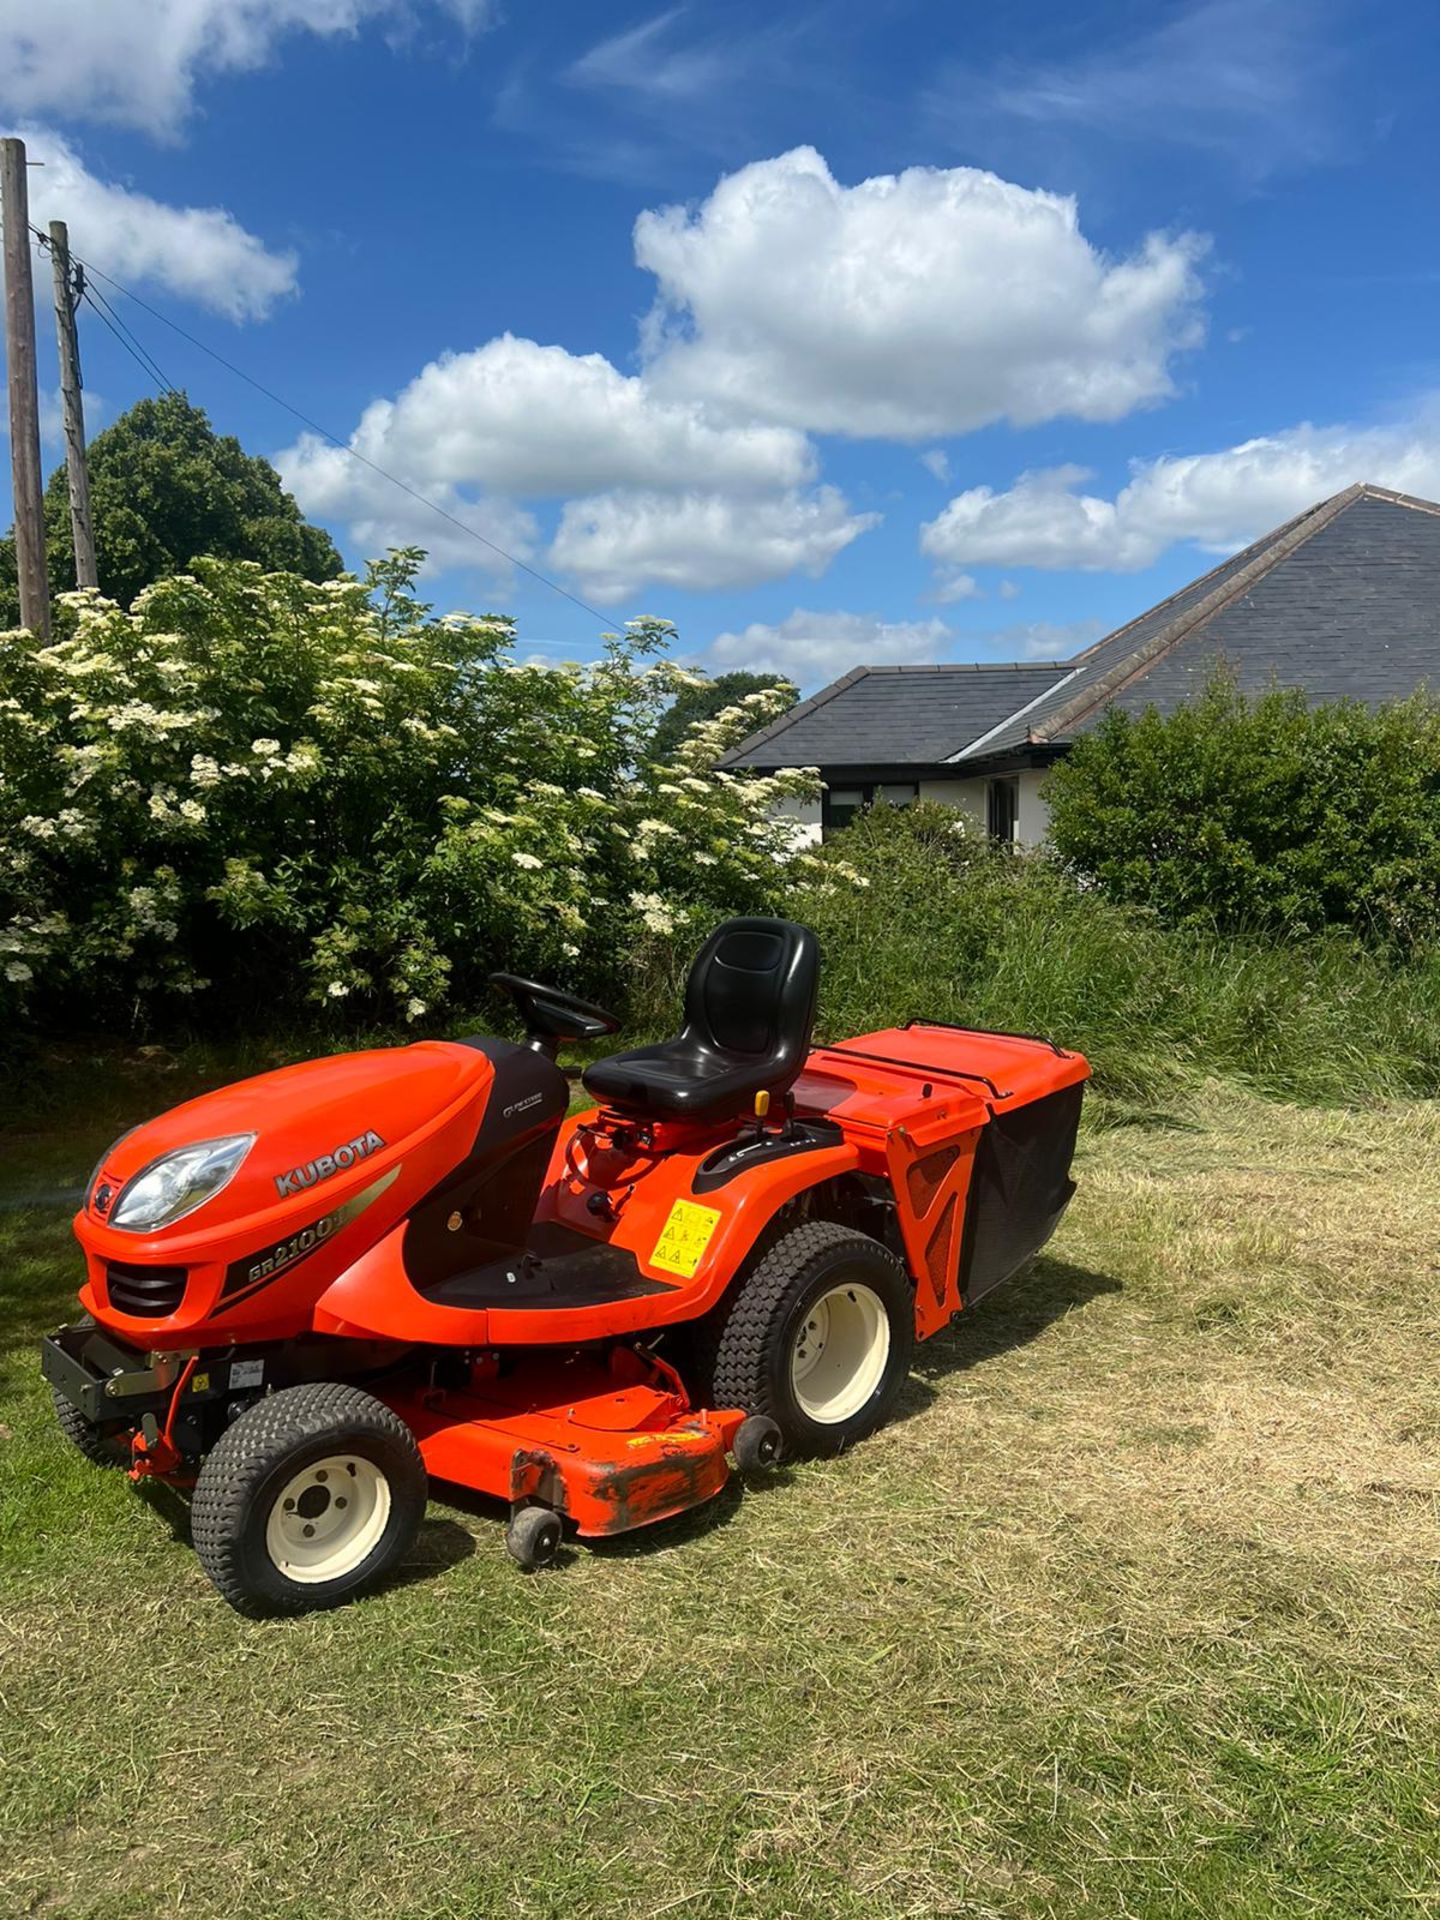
[(607, 1452)]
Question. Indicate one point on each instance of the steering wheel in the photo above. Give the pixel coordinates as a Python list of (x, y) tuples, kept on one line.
[(549, 1015)]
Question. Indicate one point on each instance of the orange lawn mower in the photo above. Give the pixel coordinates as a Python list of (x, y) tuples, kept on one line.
[(310, 1292)]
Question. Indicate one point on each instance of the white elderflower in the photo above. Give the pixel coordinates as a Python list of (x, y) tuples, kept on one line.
[(654, 912), (528, 861), (17, 972), (337, 989)]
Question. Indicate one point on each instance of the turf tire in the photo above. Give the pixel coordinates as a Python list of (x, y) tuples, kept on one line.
[(103, 1447), (244, 1474), (745, 1347)]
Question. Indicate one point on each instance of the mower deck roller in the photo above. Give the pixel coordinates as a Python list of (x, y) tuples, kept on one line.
[(308, 1292)]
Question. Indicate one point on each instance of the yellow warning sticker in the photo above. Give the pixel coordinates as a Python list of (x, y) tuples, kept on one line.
[(684, 1238), (199, 1383)]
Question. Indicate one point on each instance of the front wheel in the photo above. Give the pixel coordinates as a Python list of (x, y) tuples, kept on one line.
[(818, 1335), (311, 1497)]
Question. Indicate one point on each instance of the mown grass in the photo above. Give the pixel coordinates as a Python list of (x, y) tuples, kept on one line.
[(1134, 1613)]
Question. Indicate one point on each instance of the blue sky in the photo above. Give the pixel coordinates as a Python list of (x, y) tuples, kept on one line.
[(899, 332)]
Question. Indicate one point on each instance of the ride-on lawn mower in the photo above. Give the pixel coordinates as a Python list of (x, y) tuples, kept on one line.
[(308, 1291)]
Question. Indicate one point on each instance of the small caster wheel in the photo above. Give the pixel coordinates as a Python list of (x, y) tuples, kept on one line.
[(759, 1443), (533, 1537)]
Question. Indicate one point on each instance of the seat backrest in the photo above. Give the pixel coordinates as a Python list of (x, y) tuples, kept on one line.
[(752, 991)]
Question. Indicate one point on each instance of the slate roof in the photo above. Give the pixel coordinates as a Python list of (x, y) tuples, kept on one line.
[(897, 716), (1342, 601)]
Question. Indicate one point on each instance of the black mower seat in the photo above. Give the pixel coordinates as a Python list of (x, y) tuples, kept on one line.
[(749, 1008)]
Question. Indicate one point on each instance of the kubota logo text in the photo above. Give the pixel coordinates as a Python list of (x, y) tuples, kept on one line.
[(336, 1161)]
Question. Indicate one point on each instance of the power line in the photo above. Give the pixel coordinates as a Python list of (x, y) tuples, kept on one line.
[(107, 315), (343, 445), (136, 353), (98, 304)]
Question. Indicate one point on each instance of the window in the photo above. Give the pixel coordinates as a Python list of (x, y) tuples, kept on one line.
[(1002, 809), (839, 805)]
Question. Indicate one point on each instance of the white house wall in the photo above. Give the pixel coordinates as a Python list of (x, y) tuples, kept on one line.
[(806, 816), (967, 796), (1034, 822), (971, 798)]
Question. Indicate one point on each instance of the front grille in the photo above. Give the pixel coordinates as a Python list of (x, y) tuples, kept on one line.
[(149, 1293)]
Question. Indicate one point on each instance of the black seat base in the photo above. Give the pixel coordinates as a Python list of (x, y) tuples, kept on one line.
[(749, 1011)]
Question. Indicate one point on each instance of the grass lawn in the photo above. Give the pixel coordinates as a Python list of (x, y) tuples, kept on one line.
[(1134, 1613)]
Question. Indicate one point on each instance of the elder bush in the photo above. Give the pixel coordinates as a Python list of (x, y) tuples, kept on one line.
[(253, 795)]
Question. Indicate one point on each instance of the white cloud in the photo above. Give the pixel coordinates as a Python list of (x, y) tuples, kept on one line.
[(202, 254), (821, 646), (522, 418), (1042, 639), (1039, 522), (928, 302), (138, 62), (1254, 81), (936, 461), (649, 61), (1220, 501), (657, 490), (908, 306), (331, 486), (959, 586), (614, 543)]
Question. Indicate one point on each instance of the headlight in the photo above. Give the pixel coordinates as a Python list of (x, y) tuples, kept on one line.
[(168, 1189), (91, 1185)]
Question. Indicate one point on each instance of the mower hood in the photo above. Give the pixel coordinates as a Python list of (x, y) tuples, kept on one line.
[(297, 1136)]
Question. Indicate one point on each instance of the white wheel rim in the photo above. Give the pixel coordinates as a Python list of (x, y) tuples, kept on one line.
[(328, 1518), (839, 1353)]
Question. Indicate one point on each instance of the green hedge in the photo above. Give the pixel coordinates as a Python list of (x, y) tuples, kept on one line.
[(1263, 813)]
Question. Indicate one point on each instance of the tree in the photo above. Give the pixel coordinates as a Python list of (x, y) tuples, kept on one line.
[(164, 489), (703, 699)]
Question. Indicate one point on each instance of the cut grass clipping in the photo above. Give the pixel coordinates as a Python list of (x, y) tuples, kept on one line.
[(1134, 1615)]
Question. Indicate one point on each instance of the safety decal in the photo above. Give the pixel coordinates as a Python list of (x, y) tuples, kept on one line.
[(684, 1238)]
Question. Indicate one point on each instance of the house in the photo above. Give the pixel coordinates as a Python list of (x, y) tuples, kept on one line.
[(1343, 602)]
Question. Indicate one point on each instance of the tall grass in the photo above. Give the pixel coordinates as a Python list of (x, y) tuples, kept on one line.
[(945, 928)]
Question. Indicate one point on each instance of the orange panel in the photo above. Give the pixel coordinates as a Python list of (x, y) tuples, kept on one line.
[(930, 1189)]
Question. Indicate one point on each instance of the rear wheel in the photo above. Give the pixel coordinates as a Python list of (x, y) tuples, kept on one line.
[(311, 1497), (104, 1446), (817, 1335)]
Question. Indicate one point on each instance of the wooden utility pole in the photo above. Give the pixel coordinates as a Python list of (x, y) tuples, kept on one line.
[(68, 287), (24, 397)]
